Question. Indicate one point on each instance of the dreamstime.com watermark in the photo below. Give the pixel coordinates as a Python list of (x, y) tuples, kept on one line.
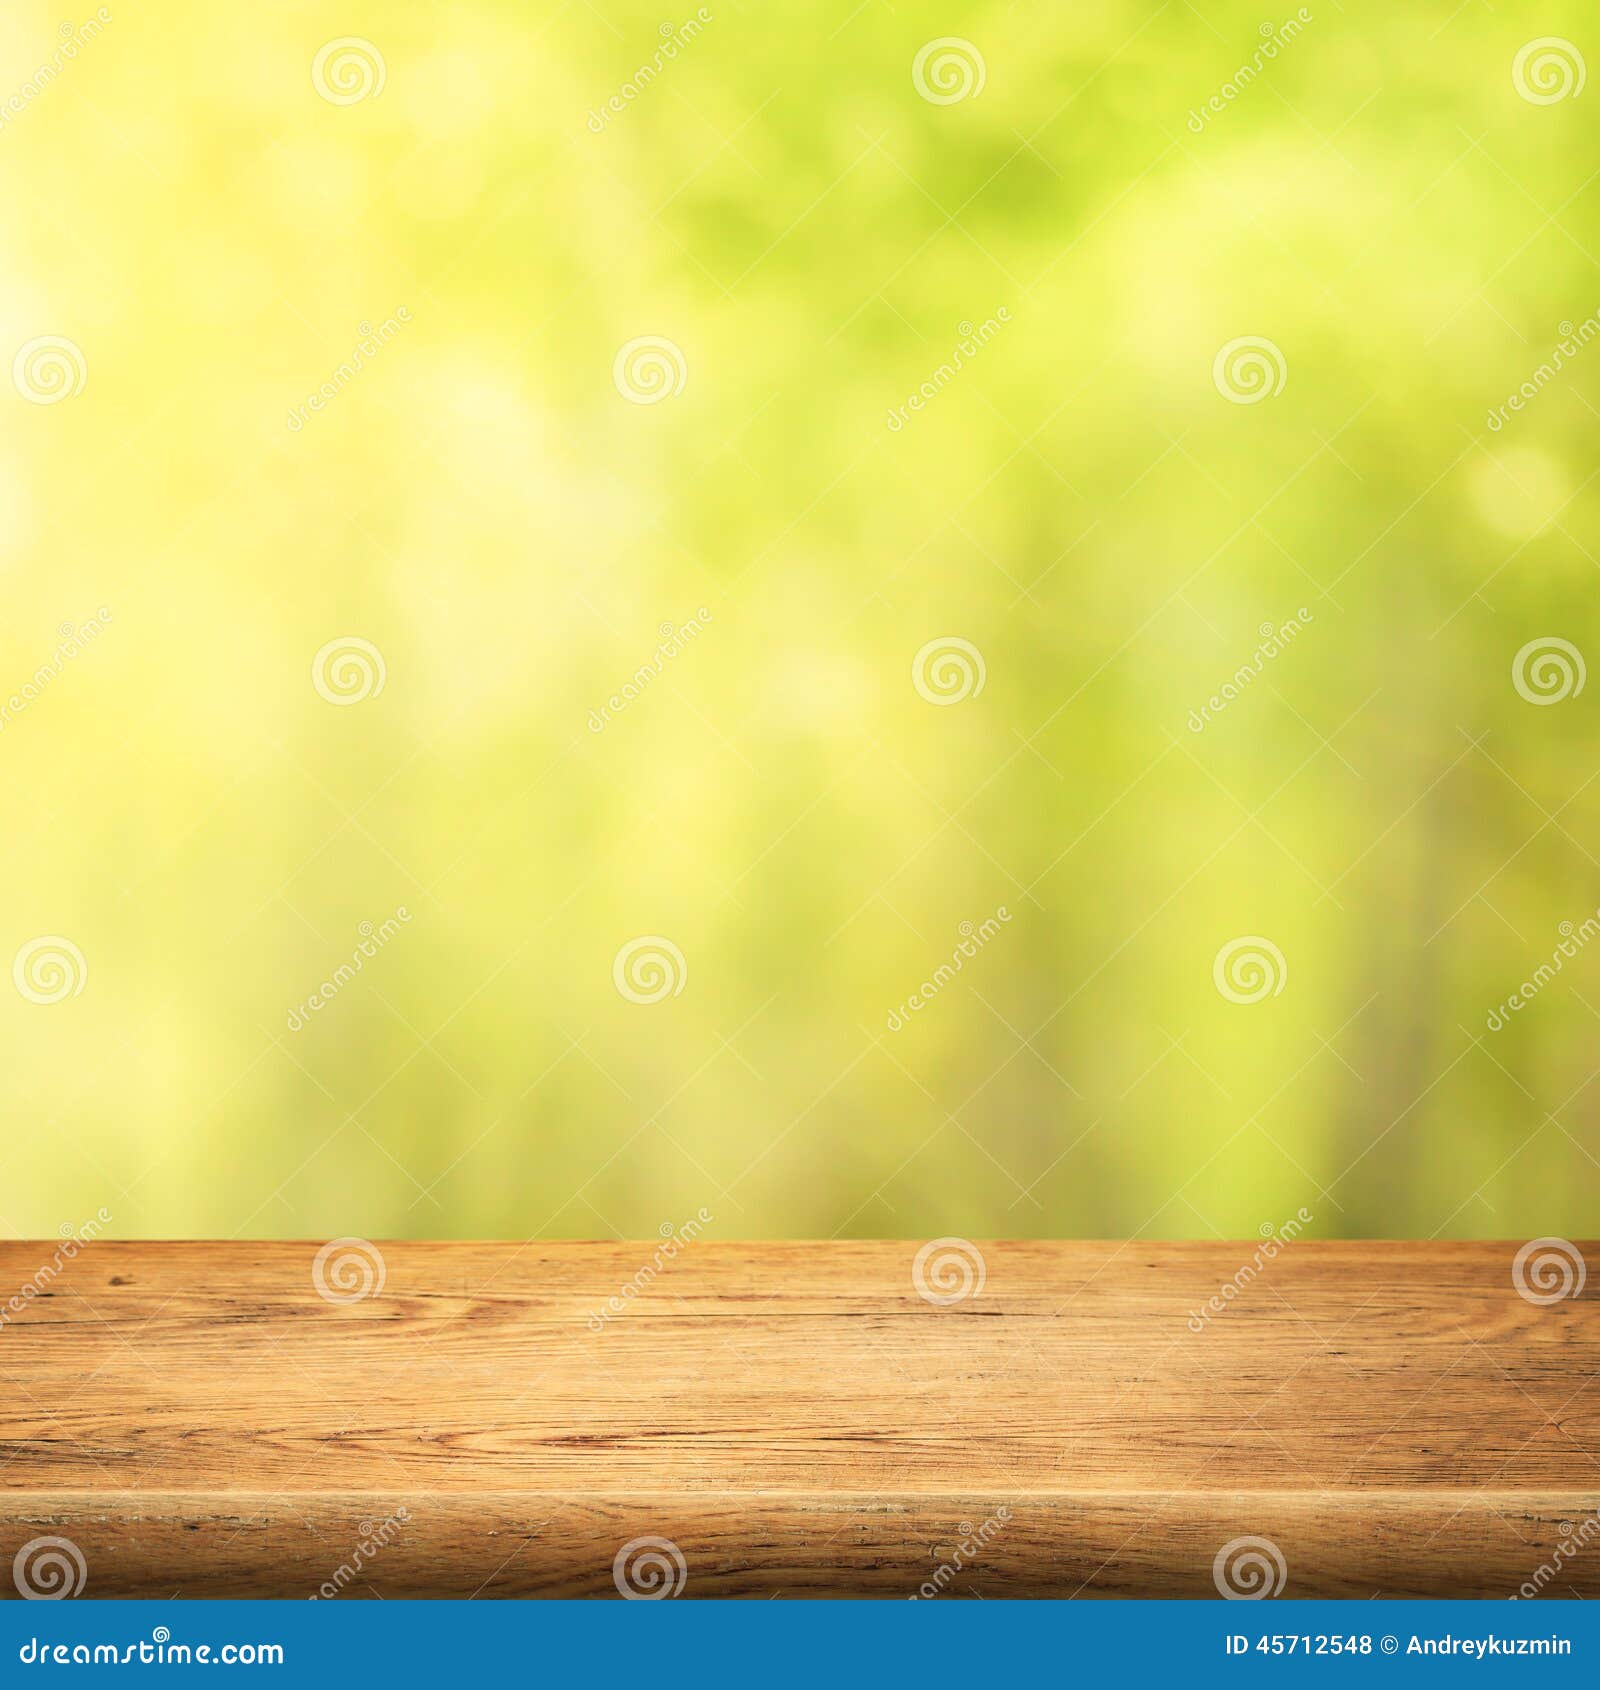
[(649, 969), (973, 938), (49, 1569), (1572, 342), (73, 640), (49, 969), (1277, 37), (1274, 642), (157, 1650), (49, 369), (948, 1271), (373, 939), (1545, 1271), (370, 342), (948, 670), (972, 342), (348, 70), (1548, 670), (972, 1541), (948, 70), (1274, 1241), (1249, 969), (1548, 69), (348, 670), (1575, 1538), (672, 40), (674, 638), (1249, 1569), (648, 369), (649, 1569), (1249, 369), (674, 1240), (1573, 939), (73, 1240), (373, 1541), (74, 38), (349, 1270)]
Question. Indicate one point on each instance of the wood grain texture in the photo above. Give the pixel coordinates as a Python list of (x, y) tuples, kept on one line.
[(796, 1418)]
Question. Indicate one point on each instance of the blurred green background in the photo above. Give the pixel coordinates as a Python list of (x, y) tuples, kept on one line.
[(481, 502)]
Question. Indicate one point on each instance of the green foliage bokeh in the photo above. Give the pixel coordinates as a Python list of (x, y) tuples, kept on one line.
[(1081, 504)]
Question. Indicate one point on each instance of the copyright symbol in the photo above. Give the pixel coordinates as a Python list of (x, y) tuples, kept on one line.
[(1390, 1645)]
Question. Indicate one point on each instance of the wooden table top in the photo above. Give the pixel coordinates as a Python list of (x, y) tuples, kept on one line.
[(720, 1419)]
